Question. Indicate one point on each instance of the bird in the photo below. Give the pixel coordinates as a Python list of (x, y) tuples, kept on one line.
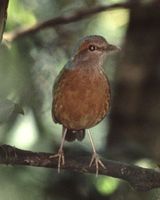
[(81, 94)]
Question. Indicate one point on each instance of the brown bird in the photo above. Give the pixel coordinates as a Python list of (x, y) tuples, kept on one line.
[(81, 93)]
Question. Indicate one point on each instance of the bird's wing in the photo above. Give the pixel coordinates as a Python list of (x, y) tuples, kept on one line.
[(56, 86), (67, 67)]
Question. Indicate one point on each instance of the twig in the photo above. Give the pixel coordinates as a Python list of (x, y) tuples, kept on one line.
[(65, 19), (141, 179)]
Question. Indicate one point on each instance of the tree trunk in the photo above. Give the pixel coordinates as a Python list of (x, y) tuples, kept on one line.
[(135, 116)]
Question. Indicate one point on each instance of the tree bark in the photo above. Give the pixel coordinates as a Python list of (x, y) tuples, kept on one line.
[(3, 16)]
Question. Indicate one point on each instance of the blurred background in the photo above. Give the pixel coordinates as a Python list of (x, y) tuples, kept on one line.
[(28, 67)]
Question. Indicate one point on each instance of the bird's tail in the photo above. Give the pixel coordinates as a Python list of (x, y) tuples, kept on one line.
[(72, 135)]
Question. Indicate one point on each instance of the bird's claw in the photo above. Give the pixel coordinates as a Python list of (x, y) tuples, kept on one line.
[(61, 160), (95, 158)]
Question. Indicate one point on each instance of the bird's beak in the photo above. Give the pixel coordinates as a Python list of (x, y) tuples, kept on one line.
[(112, 47)]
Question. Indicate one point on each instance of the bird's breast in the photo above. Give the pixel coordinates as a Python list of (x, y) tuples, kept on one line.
[(81, 98)]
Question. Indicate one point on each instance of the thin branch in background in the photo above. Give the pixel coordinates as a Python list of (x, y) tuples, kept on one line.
[(139, 178), (3, 16), (65, 19)]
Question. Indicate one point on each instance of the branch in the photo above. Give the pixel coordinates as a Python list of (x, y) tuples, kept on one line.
[(65, 19), (141, 179)]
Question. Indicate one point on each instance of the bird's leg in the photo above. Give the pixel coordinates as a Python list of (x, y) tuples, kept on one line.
[(95, 158), (60, 153)]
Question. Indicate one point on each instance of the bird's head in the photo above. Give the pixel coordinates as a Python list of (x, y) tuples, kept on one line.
[(93, 49)]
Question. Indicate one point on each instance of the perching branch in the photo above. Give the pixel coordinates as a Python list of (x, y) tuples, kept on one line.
[(141, 179), (65, 19)]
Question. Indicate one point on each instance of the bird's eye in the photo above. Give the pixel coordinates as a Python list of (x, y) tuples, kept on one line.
[(92, 48)]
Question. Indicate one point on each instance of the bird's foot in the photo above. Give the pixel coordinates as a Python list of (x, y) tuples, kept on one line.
[(95, 158), (61, 160)]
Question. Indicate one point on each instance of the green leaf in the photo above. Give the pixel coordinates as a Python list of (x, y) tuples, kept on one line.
[(106, 185), (19, 15)]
